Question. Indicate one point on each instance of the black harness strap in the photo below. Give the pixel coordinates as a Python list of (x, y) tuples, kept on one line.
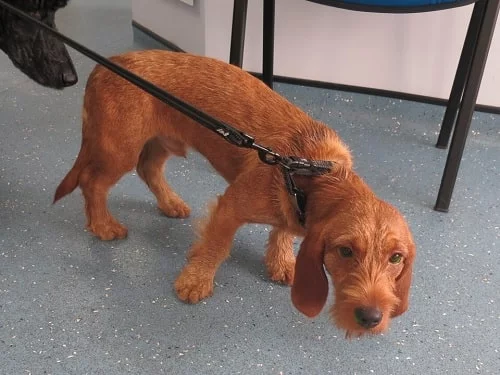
[(290, 164), (302, 167)]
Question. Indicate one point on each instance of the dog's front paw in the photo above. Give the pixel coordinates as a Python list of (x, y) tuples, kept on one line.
[(282, 272), (194, 284), (109, 230)]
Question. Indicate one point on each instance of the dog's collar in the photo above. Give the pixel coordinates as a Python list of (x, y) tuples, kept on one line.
[(298, 196), (304, 167)]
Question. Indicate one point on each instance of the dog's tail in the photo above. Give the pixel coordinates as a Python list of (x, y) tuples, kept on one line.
[(70, 182)]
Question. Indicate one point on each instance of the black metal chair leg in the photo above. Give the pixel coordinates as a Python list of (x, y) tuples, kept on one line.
[(268, 42), (238, 32), (461, 75), (467, 108)]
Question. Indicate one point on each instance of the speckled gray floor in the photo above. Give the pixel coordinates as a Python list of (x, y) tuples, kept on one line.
[(70, 304)]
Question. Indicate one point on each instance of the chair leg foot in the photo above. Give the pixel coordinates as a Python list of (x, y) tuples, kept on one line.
[(442, 146)]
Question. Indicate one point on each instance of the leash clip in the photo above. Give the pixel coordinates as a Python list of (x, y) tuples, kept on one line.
[(306, 167)]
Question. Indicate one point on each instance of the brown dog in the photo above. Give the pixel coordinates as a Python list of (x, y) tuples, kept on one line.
[(363, 242)]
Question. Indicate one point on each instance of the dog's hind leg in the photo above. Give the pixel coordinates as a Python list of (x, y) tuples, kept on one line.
[(95, 181), (280, 259), (151, 167)]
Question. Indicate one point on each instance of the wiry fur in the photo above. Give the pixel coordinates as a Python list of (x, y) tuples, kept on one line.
[(37, 53), (125, 128)]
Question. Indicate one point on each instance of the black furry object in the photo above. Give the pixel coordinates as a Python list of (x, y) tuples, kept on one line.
[(36, 52), (34, 5)]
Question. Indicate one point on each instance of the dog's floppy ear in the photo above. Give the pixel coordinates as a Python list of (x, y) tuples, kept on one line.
[(403, 283), (310, 285)]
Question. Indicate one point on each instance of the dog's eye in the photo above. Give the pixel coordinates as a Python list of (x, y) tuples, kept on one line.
[(346, 252), (396, 258)]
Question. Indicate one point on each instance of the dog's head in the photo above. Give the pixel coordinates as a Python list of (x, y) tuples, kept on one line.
[(366, 247), (37, 53)]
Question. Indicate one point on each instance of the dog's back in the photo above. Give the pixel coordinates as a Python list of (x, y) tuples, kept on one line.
[(121, 118), (224, 91)]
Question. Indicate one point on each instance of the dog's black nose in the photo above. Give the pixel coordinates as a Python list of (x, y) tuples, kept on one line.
[(69, 78), (368, 317)]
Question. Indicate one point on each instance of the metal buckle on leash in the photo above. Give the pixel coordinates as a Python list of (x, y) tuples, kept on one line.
[(266, 155), (306, 167)]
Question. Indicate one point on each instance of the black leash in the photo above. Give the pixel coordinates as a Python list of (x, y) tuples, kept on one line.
[(290, 165)]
